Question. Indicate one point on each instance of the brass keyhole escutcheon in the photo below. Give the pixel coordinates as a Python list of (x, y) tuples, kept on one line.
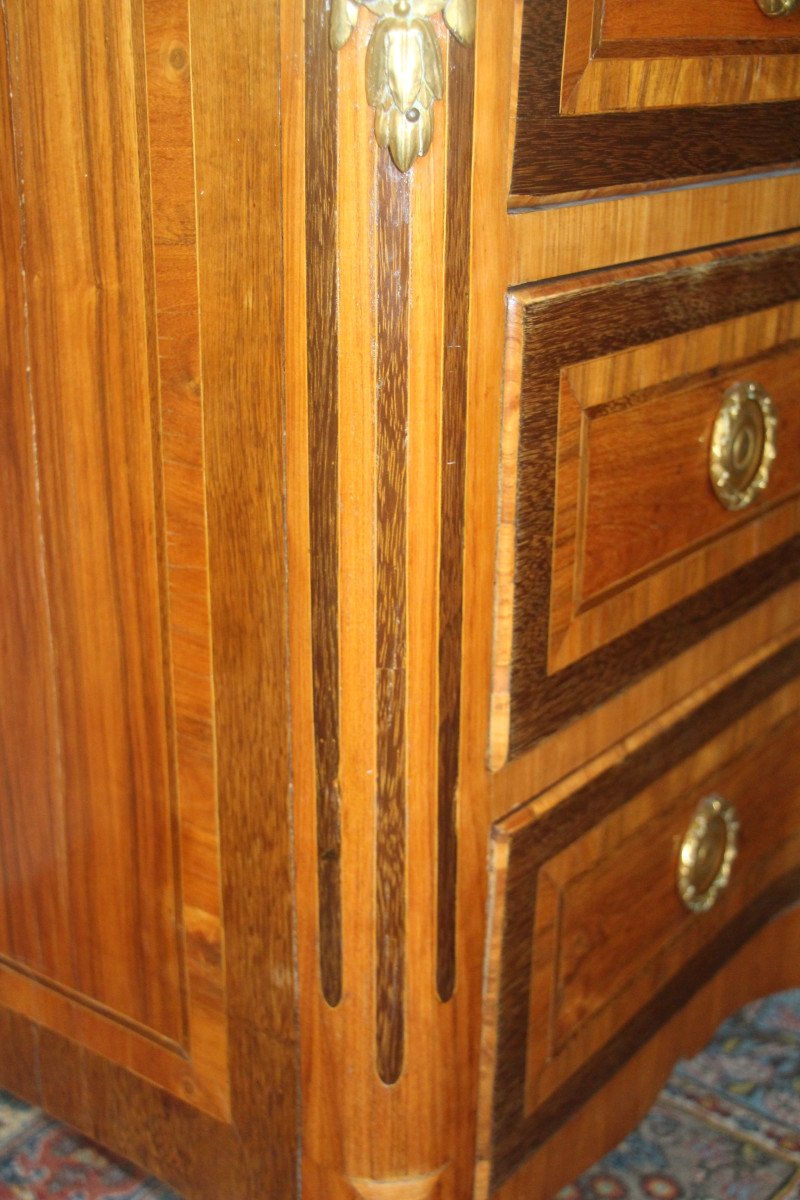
[(777, 8), (707, 853), (743, 445)]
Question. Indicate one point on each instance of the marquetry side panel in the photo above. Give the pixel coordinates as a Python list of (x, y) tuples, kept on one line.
[(109, 445)]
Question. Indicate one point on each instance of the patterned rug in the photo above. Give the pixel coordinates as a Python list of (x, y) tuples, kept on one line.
[(42, 1160), (725, 1127)]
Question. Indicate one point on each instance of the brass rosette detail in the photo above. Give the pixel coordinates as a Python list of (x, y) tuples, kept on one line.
[(743, 445), (777, 8), (405, 72), (707, 853)]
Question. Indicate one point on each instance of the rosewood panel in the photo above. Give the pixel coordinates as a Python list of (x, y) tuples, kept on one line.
[(391, 648)]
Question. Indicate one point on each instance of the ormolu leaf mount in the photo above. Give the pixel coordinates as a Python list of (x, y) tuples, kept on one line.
[(405, 74)]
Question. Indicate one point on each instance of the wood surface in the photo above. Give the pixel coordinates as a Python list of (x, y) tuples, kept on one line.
[(717, 22), (642, 626), (87, 387), (557, 153), (711, 736), (758, 968), (460, 95), (323, 449), (123, 571), (391, 647), (377, 1057), (324, 358), (622, 465), (633, 56), (125, 247), (620, 925)]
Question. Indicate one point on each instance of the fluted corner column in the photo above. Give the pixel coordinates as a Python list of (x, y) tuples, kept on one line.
[(378, 245)]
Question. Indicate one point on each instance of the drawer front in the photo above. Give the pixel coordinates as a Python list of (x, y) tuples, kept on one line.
[(595, 947), (616, 551), (635, 91)]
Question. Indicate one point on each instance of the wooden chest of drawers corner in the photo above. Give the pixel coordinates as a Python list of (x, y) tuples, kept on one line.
[(376, 637)]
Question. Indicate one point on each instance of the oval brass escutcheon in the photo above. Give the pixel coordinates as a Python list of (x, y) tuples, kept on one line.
[(743, 445), (707, 853), (777, 8)]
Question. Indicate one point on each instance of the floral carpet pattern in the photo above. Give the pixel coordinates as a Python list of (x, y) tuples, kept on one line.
[(42, 1160), (725, 1127)]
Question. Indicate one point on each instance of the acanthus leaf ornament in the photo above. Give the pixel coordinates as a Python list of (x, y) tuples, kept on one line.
[(404, 69)]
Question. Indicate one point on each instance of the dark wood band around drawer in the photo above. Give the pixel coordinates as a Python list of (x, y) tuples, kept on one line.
[(557, 154), (576, 327), (517, 1132)]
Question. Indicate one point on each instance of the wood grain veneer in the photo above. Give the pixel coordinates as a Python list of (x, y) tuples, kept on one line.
[(391, 604), (628, 57), (323, 449), (460, 97), (115, 112), (535, 842), (306, 312), (130, 245), (556, 154), (545, 691)]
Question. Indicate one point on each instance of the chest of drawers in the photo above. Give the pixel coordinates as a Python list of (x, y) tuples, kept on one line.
[(400, 671)]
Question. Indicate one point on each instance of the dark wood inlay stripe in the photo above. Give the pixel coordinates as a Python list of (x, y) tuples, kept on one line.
[(517, 1135), (323, 433), (581, 326), (460, 99), (556, 153), (392, 282)]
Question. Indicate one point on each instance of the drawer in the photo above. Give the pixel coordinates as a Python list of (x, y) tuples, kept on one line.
[(634, 91), (618, 551), (592, 947)]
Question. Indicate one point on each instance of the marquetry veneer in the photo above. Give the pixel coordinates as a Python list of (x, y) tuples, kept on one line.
[(276, 667), (615, 553), (591, 947), (631, 94)]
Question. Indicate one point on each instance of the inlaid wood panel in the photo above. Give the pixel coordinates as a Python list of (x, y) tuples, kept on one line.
[(109, 850), (593, 947), (604, 103), (625, 463), (614, 554)]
